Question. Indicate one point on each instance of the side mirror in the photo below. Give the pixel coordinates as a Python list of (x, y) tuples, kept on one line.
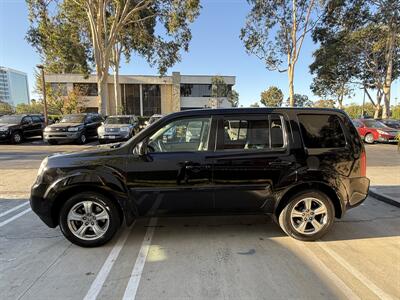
[(141, 149)]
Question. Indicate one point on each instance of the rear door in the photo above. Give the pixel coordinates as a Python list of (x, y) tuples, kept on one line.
[(251, 161), (37, 126), (28, 127)]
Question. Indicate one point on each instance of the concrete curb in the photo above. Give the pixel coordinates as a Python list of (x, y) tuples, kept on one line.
[(384, 198)]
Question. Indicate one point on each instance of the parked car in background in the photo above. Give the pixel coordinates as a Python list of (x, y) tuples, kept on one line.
[(304, 166), (16, 128), (375, 131), (73, 128), (391, 123), (118, 128)]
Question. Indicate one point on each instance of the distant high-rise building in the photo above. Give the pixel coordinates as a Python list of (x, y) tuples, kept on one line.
[(13, 86)]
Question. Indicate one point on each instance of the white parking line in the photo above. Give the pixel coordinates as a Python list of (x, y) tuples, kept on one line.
[(134, 280), (101, 277), (368, 283), (13, 209), (347, 291), (15, 217)]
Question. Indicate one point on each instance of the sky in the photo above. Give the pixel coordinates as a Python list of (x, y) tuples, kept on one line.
[(215, 49)]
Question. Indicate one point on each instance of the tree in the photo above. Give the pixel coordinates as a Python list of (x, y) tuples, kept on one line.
[(324, 103), (221, 91), (354, 110), (35, 107), (272, 97), (367, 33), (101, 24), (233, 98), (275, 31), (5, 108), (300, 101), (255, 104)]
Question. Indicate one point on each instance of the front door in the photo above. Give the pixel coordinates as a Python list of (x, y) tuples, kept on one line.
[(176, 167), (250, 161)]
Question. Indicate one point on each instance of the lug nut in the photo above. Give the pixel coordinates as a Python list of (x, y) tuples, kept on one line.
[(87, 223), (92, 223)]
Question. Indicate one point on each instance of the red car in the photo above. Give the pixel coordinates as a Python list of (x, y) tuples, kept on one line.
[(375, 131)]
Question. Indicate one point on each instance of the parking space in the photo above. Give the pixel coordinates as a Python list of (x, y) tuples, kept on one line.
[(198, 257)]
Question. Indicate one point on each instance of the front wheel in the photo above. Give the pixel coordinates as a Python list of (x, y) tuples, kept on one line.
[(82, 139), (16, 137), (308, 216), (89, 219)]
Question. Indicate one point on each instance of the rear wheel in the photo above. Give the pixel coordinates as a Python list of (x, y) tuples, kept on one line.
[(89, 219), (369, 138), (308, 216)]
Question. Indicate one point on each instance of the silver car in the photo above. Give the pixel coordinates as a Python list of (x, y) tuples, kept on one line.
[(118, 128)]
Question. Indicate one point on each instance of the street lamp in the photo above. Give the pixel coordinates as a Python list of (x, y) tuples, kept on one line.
[(41, 68)]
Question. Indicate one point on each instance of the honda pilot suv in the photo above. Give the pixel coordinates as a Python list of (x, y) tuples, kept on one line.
[(306, 167)]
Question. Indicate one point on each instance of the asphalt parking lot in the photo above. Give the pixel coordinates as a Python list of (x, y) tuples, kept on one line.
[(201, 257)]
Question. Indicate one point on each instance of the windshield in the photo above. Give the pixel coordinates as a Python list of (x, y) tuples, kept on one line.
[(374, 124), (73, 119), (118, 120), (10, 119)]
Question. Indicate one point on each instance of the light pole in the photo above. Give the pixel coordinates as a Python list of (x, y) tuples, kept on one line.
[(46, 120)]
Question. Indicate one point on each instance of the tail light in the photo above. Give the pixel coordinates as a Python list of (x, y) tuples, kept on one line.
[(363, 163)]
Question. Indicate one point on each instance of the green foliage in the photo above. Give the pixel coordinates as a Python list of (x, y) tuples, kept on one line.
[(5, 108), (220, 90), (324, 103), (272, 97), (300, 101), (233, 98), (35, 107), (355, 110), (396, 112)]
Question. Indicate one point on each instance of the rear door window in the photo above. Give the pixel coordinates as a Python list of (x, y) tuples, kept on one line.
[(252, 133), (322, 131)]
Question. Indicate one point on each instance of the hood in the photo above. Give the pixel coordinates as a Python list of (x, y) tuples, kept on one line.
[(63, 125), (116, 125), (4, 125)]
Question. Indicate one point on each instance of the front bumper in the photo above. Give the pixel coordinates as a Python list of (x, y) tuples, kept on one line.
[(4, 135), (387, 139), (61, 135), (113, 137)]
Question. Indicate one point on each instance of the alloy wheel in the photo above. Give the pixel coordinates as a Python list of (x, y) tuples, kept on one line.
[(309, 215), (17, 138), (88, 220)]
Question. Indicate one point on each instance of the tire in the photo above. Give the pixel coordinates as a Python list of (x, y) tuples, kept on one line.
[(291, 219), (75, 215), (82, 139), (52, 142), (16, 137), (369, 138)]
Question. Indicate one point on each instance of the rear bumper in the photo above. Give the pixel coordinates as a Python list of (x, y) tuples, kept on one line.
[(41, 206), (358, 191)]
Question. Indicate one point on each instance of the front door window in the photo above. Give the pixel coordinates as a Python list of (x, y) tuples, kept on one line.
[(181, 135)]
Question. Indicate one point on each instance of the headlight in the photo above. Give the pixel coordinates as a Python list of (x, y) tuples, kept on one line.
[(381, 131), (100, 129), (3, 129), (76, 128), (124, 129), (47, 129)]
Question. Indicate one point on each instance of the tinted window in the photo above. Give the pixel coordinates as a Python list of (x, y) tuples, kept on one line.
[(266, 132), (36, 119), (181, 135), (26, 120), (321, 131)]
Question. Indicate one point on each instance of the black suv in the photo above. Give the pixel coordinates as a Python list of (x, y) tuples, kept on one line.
[(305, 166), (16, 128), (75, 127)]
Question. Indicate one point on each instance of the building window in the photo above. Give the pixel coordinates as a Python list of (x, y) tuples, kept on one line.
[(87, 89), (59, 88), (195, 90), (130, 98), (151, 99)]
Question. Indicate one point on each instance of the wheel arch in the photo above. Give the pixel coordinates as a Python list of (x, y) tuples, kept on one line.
[(319, 186)]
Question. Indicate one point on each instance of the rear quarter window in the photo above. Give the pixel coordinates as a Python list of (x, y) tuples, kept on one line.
[(321, 131)]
